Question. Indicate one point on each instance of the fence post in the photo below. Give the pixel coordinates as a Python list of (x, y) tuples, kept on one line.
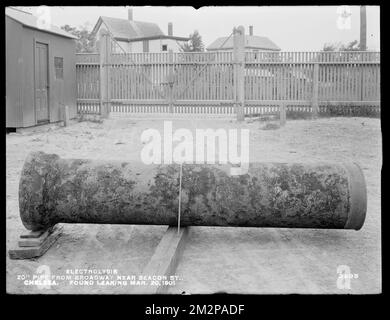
[(170, 80), (105, 57), (239, 70), (315, 106), (66, 116)]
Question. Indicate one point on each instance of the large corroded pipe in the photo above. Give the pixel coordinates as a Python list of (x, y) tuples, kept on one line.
[(54, 190)]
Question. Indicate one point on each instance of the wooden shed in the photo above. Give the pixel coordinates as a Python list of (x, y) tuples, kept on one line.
[(40, 71)]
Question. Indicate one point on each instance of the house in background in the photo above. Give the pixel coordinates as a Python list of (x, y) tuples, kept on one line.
[(40, 71), (252, 43), (138, 36)]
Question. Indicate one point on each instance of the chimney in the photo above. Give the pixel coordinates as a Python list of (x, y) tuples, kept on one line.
[(251, 30), (130, 14), (170, 29)]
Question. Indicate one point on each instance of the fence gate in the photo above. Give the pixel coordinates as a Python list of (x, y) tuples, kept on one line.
[(171, 82), (224, 82)]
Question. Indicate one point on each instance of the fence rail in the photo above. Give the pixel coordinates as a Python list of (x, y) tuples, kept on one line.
[(205, 82), (227, 56)]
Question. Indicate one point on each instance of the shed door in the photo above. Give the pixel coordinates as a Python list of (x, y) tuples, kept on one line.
[(41, 82)]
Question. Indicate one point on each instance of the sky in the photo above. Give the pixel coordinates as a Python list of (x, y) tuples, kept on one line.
[(294, 28)]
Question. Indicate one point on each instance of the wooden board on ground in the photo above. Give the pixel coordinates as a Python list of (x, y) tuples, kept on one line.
[(32, 234), (35, 246), (34, 238), (164, 260)]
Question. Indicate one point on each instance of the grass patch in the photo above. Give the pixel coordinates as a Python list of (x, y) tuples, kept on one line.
[(350, 111), (271, 126), (90, 118)]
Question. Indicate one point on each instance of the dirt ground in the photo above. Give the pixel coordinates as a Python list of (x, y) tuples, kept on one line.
[(215, 259)]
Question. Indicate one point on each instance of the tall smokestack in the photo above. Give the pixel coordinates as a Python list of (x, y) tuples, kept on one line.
[(130, 14), (251, 30), (170, 29), (363, 28)]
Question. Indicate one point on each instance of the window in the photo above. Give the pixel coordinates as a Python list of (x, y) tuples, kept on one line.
[(59, 67), (164, 47)]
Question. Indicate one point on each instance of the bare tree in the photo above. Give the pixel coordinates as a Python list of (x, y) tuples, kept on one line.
[(195, 44), (85, 41)]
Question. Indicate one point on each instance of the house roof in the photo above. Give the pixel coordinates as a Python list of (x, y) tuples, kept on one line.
[(126, 30), (251, 42), (28, 20)]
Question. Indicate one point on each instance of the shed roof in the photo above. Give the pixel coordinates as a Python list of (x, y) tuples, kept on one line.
[(251, 42), (28, 20), (124, 29)]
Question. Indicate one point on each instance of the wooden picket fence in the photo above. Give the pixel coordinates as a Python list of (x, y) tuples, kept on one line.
[(206, 83)]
